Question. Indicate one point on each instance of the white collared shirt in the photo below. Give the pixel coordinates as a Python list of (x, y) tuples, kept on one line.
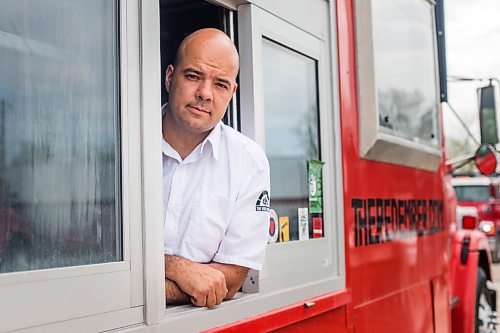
[(216, 200)]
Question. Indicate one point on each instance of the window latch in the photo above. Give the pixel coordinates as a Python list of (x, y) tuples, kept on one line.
[(309, 304)]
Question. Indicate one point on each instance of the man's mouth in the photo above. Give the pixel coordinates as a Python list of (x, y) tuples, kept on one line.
[(198, 110)]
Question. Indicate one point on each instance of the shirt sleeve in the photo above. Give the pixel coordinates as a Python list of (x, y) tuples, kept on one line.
[(245, 240)]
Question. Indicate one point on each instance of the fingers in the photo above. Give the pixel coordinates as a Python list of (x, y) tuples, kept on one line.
[(221, 293), (199, 302), (206, 285), (224, 291), (212, 299)]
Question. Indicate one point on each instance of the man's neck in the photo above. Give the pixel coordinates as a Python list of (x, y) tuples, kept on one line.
[(184, 142)]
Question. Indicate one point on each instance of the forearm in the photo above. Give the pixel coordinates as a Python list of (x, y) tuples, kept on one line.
[(175, 266), (174, 294), (234, 274)]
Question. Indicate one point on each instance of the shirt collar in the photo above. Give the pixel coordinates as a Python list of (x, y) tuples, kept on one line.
[(169, 151), (214, 139)]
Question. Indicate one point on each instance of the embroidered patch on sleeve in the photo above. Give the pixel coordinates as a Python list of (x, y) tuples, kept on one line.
[(262, 204)]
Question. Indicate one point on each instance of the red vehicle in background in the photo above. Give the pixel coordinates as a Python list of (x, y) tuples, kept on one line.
[(482, 193)]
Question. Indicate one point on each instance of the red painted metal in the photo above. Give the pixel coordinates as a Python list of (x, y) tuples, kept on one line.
[(380, 275), (408, 310), (348, 102), (297, 314), (332, 321), (441, 293), (463, 277)]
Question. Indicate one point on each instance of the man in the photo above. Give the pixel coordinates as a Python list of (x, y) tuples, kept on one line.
[(216, 181)]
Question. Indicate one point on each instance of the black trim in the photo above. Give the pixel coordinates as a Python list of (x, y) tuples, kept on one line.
[(441, 48), (464, 253)]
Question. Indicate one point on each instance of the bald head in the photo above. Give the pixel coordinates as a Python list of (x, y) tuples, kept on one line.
[(220, 45)]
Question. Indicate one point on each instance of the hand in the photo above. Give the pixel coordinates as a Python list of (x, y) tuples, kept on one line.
[(206, 285)]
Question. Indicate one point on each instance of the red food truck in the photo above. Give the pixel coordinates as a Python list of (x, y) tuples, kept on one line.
[(344, 97)]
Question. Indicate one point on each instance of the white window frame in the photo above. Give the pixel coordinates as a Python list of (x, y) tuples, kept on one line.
[(314, 259), (273, 293), (104, 296), (374, 143)]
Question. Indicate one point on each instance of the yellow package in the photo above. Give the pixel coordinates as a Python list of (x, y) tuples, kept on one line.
[(284, 235)]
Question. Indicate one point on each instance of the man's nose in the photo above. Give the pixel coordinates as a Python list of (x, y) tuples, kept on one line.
[(204, 91)]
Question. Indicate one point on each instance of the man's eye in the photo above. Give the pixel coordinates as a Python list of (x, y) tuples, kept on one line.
[(222, 85), (192, 77)]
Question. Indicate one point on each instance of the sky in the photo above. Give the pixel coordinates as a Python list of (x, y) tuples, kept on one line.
[(473, 50)]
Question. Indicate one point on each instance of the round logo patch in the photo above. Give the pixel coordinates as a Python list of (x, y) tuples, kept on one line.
[(262, 204)]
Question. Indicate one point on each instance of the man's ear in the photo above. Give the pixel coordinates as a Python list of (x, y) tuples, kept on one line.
[(168, 77), (235, 87)]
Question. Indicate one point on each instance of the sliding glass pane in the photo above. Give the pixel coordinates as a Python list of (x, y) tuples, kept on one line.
[(59, 134), (292, 140)]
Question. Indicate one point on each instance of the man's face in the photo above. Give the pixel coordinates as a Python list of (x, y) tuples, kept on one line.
[(201, 86)]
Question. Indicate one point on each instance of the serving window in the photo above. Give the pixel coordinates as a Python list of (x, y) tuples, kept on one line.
[(283, 69), (285, 104), (397, 83)]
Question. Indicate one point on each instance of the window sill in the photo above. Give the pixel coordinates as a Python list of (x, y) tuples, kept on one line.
[(176, 310), (392, 149), (190, 318)]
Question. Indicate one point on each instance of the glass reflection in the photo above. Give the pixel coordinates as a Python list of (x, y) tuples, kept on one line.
[(59, 134), (473, 193), (291, 130), (405, 69)]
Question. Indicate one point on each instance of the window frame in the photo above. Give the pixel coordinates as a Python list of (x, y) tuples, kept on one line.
[(255, 25), (375, 143), (108, 295)]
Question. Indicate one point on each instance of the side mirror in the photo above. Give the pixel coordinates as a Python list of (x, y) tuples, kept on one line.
[(488, 115), (486, 159)]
